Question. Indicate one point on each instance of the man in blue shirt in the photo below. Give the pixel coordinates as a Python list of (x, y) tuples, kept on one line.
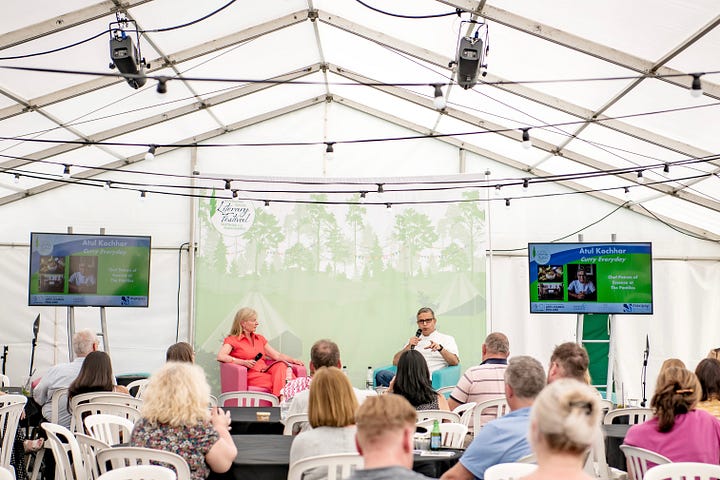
[(505, 439)]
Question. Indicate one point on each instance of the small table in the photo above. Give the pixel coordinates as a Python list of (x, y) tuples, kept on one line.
[(244, 421), (267, 457), (614, 436)]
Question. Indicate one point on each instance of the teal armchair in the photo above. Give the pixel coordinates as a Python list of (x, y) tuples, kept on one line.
[(445, 377)]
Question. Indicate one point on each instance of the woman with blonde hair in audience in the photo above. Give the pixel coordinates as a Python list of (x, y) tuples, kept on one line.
[(331, 413), (708, 373), (564, 421), (678, 430), (175, 418)]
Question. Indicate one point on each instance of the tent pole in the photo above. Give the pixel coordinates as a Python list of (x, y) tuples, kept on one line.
[(191, 252), (489, 288)]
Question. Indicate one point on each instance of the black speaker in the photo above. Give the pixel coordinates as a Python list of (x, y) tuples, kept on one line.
[(124, 56), (469, 60)]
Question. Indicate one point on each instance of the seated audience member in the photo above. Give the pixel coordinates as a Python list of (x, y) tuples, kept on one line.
[(438, 349), (175, 418), (324, 353), (243, 345), (20, 447), (96, 375), (672, 362), (385, 439), (678, 431), (569, 360), (180, 352), (332, 417), (564, 422), (506, 439), (714, 353), (62, 375), (485, 381), (708, 373), (412, 381)]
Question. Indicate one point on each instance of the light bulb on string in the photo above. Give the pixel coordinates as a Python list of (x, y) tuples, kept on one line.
[(162, 86), (507, 202), (151, 152), (267, 203), (640, 177), (380, 188), (526, 184), (16, 179), (666, 168), (234, 193), (106, 186), (439, 99), (330, 151), (143, 196), (526, 143), (498, 190), (696, 87), (66, 171), (228, 185)]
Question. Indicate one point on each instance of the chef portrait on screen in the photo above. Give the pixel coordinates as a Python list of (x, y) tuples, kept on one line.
[(582, 288)]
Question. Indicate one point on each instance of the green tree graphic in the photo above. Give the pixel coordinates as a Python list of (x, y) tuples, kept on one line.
[(465, 223), (338, 246), (321, 220), (355, 217), (455, 257), (265, 233), (415, 231), (299, 257)]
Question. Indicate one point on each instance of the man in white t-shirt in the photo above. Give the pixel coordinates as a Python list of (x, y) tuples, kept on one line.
[(439, 349)]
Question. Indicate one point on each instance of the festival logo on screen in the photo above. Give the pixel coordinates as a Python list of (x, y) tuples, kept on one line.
[(540, 255), (233, 217)]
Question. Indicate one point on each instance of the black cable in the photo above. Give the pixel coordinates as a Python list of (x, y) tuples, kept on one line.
[(692, 235), (415, 17), (177, 324), (109, 31), (569, 234)]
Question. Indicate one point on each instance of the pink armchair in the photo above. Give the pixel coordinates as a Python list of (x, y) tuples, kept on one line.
[(233, 378)]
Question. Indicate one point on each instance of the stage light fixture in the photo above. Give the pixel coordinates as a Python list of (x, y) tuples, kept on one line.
[(126, 58), (469, 60)]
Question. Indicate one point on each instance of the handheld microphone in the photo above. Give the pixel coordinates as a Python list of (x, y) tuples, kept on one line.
[(258, 356), (417, 335)]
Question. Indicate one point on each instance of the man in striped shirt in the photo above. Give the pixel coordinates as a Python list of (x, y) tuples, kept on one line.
[(485, 381)]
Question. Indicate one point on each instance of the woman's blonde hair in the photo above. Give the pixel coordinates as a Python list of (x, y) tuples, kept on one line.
[(241, 316), (567, 416), (177, 395), (332, 399)]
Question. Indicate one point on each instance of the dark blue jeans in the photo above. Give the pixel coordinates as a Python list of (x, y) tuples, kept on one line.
[(383, 377)]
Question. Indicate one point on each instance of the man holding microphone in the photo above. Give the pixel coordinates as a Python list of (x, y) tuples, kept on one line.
[(439, 349)]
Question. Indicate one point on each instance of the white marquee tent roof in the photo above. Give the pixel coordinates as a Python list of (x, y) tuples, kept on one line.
[(602, 86)]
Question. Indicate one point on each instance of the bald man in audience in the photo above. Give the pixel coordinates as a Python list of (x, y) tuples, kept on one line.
[(504, 440), (62, 375), (385, 438), (569, 360), (486, 381)]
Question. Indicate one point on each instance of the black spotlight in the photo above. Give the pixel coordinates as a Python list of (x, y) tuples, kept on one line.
[(469, 61), (125, 57)]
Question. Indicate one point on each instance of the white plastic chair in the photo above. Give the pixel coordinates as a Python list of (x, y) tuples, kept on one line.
[(55, 401), (6, 474), (247, 399), (94, 408), (532, 458), (509, 471), (634, 415), (91, 396), (346, 463), (638, 458), (140, 472), (466, 412), (4, 381), (64, 469), (501, 408), (140, 384), (596, 461), (439, 415), (682, 471), (11, 407), (453, 434), (118, 399), (119, 457), (89, 448), (111, 429), (293, 420), (445, 391)]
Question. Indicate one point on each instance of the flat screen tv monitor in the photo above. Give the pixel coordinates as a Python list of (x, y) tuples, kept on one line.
[(591, 278), (89, 270)]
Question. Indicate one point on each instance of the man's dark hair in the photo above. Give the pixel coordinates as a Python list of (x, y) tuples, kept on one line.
[(324, 353), (573, 360)]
